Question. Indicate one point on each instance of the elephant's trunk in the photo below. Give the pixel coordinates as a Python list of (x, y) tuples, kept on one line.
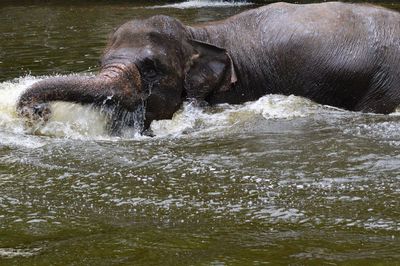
[(116, 84)]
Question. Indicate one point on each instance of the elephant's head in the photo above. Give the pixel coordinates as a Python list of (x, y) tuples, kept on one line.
[(152, 62)]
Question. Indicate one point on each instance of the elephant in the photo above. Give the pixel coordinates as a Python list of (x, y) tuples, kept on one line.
[(338, 54)]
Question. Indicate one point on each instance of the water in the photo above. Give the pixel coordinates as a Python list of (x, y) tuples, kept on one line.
[(203, 3), (280, 180)]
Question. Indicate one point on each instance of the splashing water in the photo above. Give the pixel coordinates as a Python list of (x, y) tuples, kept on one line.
[(13, 253), (124, 123), (67, 119), (75, 121), (225, 118)]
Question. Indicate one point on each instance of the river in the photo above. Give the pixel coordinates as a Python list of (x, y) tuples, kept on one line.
[(278, 181)]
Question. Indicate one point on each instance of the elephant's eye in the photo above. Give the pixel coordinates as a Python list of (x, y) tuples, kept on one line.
[(151, 73), (149, 70)]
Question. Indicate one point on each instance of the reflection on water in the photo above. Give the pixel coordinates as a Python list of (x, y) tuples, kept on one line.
[(280, 180)]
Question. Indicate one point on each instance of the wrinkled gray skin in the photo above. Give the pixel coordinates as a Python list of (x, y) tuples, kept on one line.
[(343, 55)]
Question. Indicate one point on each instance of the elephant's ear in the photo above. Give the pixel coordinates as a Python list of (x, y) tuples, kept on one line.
[(211, 69)]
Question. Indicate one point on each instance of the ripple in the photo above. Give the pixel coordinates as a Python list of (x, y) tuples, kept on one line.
[(203, 3), (14, 252)]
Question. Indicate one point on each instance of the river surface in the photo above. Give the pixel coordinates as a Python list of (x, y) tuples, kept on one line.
[(281, 180)]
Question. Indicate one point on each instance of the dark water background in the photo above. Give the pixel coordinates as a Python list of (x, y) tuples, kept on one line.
[(278, 181)]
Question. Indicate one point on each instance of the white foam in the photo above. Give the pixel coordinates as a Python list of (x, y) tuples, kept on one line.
[(203, 3), (194, 119), (14, 252), (396, 112), (282, 107), (67, 120), (388, 131), (9, 94), (74, 121), (20, 140)]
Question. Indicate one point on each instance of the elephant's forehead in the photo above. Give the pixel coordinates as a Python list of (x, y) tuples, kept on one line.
[(139, 37), (144, 43), (149, 51), (136, 53), (158, 24)]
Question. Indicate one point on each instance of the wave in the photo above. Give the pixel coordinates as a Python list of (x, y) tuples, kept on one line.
[(71, 120), (67, 120), (226, 118), (203, 3), (14, 252), (75, 121)]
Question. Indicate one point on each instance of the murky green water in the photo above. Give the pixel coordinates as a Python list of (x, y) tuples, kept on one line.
[(279, 181)]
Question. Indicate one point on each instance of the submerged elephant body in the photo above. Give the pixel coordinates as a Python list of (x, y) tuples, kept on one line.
[(343, 55)]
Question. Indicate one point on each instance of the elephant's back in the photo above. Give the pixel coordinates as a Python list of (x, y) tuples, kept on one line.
[(330, 21), (326, 52), (340, 35), (352, 34)]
